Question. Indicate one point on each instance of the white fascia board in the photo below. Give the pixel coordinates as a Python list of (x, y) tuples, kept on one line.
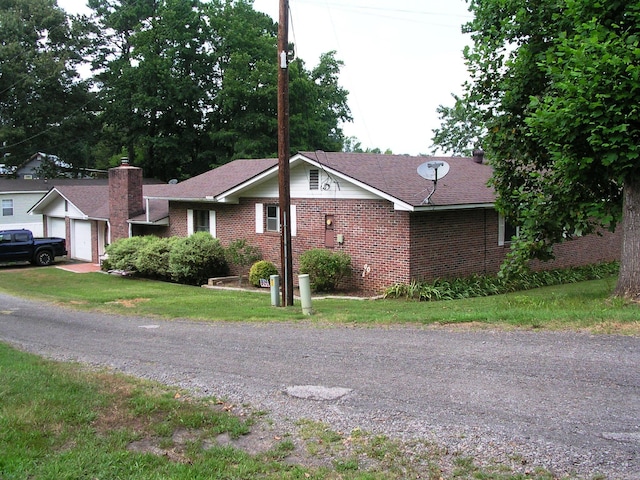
[(46, 199), (228, 196), (442, 208), (23, 192), (183, 199), (51, 196)]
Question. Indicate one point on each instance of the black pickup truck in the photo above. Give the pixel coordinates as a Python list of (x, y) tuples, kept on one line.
[(21, 246)]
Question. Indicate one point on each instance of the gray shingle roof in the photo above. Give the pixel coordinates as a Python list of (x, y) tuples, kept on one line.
[(396, 175), (218, 180)]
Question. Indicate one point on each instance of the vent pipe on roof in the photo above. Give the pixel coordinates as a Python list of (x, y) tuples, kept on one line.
[(124, 161), (478, 155)]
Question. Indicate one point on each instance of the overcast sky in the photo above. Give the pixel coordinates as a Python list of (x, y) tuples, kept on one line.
[(402, 59)]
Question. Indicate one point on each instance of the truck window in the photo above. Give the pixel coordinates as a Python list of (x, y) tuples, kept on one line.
[(5, 238), (21, 237)]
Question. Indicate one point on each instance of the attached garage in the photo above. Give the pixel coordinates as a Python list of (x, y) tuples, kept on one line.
[(56, 227), (81, 240)]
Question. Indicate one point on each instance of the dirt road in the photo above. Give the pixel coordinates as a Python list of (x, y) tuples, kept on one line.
[(565, 401)]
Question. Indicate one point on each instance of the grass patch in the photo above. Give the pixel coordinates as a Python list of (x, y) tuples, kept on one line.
[(64, 421), (585, 305)]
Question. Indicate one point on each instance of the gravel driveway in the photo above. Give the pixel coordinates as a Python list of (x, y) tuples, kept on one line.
[(568, 402)]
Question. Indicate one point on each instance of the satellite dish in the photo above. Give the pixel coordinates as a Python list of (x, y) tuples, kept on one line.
[(173, 181), (433, 170)]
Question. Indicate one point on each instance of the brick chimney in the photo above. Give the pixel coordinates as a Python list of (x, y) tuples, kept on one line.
[(125, 198), (478, 155)]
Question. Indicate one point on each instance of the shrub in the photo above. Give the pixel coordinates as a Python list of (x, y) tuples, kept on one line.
[(123, 253), (153, 258), (242, 254), (193, 260), (261, 269), (484, 285), (325, 268)]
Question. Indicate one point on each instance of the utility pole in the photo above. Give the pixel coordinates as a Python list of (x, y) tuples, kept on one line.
[(283, 155)]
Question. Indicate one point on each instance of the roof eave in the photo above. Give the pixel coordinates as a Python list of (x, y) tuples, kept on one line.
[(464, 206), (161, 222)]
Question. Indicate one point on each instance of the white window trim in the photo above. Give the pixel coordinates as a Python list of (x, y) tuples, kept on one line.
[(277, 230), (294, 221), (191, 222), (501, 232), (12, 207), (212, 223), (259, 218)]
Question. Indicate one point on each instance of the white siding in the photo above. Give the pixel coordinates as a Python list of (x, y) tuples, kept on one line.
[(56, 227), (22, 203), (299, 187)]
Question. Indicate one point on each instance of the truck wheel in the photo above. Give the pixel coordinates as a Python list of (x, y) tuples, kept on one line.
[(44, 258)]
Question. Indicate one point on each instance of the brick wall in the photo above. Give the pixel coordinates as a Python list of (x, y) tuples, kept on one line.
[(388, 246), (375, 235), (456, 244)]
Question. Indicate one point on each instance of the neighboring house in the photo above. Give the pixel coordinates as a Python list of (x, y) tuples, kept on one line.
[(39, 164), (91, 217), (18, 196), (370, 206)]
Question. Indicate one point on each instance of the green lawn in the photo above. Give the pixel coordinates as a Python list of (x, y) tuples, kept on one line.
[(585, 305)]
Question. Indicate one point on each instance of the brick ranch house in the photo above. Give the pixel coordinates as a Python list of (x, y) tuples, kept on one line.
[(370, 206)]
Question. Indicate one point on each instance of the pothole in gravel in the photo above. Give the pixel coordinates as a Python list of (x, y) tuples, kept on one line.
[(317, 392)]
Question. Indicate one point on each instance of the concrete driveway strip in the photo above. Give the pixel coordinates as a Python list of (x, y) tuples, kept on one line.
[(565, 401)]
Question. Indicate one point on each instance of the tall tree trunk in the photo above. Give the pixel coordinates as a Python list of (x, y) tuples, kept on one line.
[(629, 279)]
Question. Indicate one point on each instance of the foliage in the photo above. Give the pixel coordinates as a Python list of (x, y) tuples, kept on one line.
[(195, 259), (462, 129), (153, 258), (262, 269), (123, 254), (483, 285), (240, 253), (45, 105), (555, 88), (188, 85), (325, 268)]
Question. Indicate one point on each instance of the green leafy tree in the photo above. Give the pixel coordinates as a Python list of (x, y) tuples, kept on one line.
[(242, 255), (190, 84), (318, 105), (556, 88), (45, 106), (157, 76), (462, 129)]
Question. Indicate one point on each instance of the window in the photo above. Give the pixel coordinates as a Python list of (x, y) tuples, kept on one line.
[(506, 231), (201, 221), (314, 179), (273, 218), (7, 208)]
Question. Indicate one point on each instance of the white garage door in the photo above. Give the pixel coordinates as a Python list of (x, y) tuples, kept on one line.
[(81, 240), (56, 228)]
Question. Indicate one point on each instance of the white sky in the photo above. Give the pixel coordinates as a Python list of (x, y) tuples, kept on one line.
[(402, 59)]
